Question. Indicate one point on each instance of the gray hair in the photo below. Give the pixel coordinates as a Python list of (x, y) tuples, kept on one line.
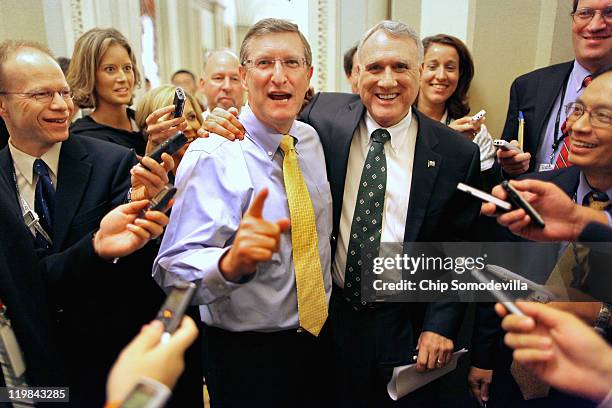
[(395, 29)]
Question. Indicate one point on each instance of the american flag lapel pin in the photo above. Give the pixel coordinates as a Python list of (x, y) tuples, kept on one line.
[(431, 163)]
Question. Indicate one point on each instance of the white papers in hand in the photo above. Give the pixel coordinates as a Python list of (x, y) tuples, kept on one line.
[(406, 379)]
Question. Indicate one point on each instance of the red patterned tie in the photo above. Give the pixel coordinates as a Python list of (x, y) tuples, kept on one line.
[(562, 159)]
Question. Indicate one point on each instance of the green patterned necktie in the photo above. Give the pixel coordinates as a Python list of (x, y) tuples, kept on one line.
[(366, 228)]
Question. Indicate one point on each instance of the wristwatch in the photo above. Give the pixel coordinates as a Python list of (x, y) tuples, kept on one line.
[(602, 322)]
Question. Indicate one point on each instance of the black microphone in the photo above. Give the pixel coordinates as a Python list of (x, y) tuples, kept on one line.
[(170, 146)]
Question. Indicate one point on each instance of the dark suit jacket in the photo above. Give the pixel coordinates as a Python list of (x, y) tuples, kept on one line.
[(504, 390), (534, 94), (93, 178), (597, 283), (23, 290), (596, 232), (3, 134), (437, 211)]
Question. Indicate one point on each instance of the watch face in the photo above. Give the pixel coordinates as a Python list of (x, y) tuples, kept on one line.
[(141, 396)]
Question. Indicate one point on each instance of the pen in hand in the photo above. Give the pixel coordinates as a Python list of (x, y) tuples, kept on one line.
[(521, 129)]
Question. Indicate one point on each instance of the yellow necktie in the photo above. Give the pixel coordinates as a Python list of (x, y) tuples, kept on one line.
[(312, 303)]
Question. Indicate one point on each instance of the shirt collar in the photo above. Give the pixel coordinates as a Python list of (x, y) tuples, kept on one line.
[(24, 163), (444, 117), (584, 188), (263, 136), (398, 132), (577, 76)]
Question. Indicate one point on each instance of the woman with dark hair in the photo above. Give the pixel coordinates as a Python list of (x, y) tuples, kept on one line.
[(102, 75), (448, 70)]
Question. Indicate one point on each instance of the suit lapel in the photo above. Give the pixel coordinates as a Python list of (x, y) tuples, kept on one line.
[(72, 180), (339, 142), (8, 171), (549, 88), (568, 179), (424, 173)]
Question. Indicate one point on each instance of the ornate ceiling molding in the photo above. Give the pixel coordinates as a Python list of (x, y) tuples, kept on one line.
[(76, 18), (322, 38)]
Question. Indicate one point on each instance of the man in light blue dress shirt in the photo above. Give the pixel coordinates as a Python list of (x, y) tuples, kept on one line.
[(231, 238)]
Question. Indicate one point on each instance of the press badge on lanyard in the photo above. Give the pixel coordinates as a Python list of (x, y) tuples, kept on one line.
[(546, 167)]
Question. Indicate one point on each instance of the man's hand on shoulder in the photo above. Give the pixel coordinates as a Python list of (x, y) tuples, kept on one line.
[(224, 123), (256, 241)]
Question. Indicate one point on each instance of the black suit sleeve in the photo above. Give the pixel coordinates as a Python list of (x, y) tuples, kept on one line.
[(304, 115), (122, 183), (79, 258), (596, 232), (70, 264), (510, 130), (445, 318), (486, 336)]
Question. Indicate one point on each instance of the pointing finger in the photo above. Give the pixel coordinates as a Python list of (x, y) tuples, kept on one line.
[(256, 207)]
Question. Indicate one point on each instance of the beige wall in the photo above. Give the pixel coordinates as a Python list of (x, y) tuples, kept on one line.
[(510, 39), (504, 47), (562, 49), (22, 19), (407, 11)]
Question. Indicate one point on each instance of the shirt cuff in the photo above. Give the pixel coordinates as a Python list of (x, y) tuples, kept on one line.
[(607, 402), (214, 285)]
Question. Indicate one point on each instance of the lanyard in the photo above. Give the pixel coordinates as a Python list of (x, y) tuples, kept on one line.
[(558, 139), (30, 217), (4, 320)]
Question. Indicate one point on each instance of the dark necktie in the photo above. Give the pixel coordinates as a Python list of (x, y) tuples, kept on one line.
[(597, 200), (44, 202), (573, 268), (562, 159), (366, 228)]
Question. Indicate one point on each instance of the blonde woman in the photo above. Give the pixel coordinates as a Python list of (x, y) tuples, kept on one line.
[(102, 75), (159, 99)]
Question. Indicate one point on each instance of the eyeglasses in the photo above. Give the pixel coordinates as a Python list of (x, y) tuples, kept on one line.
[(599, 117), (268, 64), (43, 96), (585, 15)]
